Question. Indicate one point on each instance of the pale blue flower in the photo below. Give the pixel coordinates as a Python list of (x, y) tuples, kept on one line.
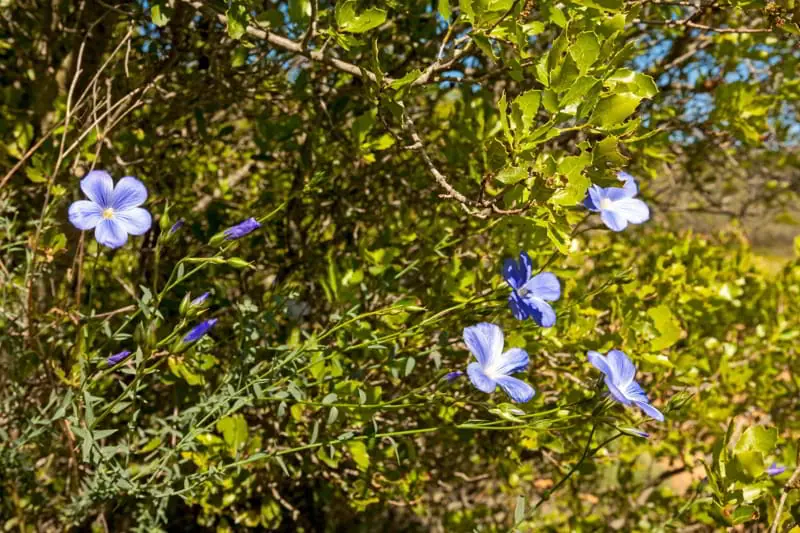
[(452, 376), (617, 205), (113, 212), (619, 373), (529, 295), (494, 367)]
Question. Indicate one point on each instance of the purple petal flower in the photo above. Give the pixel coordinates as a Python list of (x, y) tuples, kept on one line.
[(617, 205), (494, 367), (775, 470), (117, 358), (529, 295), (452, 376), (113, 212), (619, 373), (241, 229), (200, 299), (176, 226), (199, 330)]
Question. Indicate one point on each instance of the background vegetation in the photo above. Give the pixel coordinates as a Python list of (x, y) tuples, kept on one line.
[(396, 152)]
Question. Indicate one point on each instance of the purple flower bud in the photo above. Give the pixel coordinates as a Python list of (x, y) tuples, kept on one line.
[(452, 376), (117, 358), (200, 299), (241, 229), (775, 470), (176, 226), (199, 330)]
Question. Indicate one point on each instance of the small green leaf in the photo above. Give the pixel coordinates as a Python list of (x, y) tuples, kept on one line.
[(160, 12), (237, 20), (348, 20), (234, 430), (519, 510), (604, 5), (511, 175), (444, 10), (668, 327), (359, 452), (757, 438), (614, 109), (585, 50), (329, 398)]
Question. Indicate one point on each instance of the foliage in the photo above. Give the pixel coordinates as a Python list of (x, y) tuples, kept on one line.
[(392, 155)]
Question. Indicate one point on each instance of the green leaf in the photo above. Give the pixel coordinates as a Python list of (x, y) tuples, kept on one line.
[(604, 5), (299, 10), (577, 184), (614, 109), (577, 91), (359, 452), (502, 106), (237, 20), (444, 10), (160, 12), (757, 438), (524, 109), (585, 50), (519, 510), (668, 327), (234, 430), (640, 84), (329, 398), (512, 175), (348, 20)]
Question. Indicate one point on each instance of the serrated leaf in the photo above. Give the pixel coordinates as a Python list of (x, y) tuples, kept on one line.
[(359, 452), (511, 175), (757, 438), (668, 327), (444, 9)]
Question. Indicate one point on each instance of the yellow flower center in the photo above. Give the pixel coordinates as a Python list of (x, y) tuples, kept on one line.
[(108, 214), (605, 203)]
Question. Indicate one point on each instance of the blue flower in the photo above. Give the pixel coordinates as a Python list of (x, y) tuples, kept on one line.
[(775, 470), (199, 330), (176, 226), (529, 295), (241, 229), (117, 358), (113, 212), (452, 376), (619, 372), (200, 299), (494, 367), (617, 205)]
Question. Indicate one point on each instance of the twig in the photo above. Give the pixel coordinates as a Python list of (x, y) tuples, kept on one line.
[(312, 25), (697, 26)]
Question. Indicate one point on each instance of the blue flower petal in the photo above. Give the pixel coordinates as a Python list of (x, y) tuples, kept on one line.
[(544, 286), (526, 266), (197, 332), (622, 368), (614, 221), (98, 186), (541, 312), (135, 221), (589, 204), (514, 360), (85, 214), (241, 229), (616, 393), (485, 341), (599, 361), (478, 378), (650, 411), (517, 390), (128, 193), (518, 306), (117, 358), (596, 194), (511, 274), (110, 233), (632, 391), (630, 187), (632, 209)]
